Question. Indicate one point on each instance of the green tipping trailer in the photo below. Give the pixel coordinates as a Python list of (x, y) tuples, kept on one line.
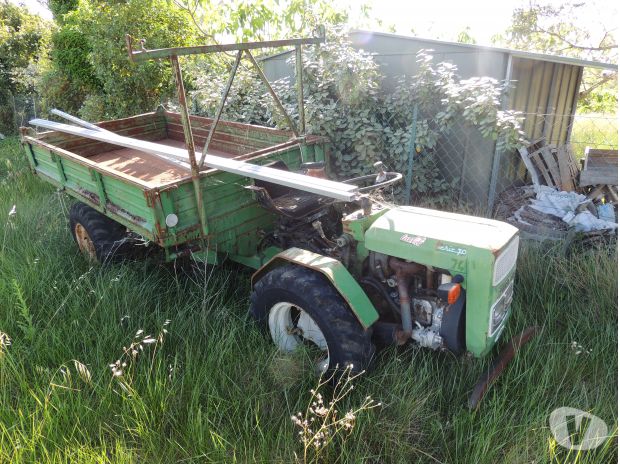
[(142, 192), (336, 271)]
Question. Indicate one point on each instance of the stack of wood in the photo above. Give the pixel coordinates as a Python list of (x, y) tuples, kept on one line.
[(513, 206), (550, 165), (600, 173), (557, 167)]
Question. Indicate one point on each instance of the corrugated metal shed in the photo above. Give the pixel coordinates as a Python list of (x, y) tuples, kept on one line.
[(545, 90)]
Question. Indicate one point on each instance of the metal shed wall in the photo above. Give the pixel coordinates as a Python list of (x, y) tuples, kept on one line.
[(547, 93), (396, 56)]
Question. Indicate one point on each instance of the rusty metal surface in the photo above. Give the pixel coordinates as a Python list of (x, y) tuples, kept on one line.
[(300, 89), (86, 162), (144, 54), (499, 364), (276, 100), (218, 115), (189, 143)]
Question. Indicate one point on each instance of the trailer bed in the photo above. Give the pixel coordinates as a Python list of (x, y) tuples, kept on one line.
[(141, 190), (148, 167)]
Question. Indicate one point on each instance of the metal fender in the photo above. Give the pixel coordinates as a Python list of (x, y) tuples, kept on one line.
[(334, 270)]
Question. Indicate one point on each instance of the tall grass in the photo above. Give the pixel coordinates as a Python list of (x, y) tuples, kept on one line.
[(594, 131), (214, 389)]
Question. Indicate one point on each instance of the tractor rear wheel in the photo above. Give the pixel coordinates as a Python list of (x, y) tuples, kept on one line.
[(299, 306), (99, 238)]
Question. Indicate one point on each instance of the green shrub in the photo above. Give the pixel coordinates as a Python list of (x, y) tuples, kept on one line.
[(365, 122), (90, 72), (23, 44)]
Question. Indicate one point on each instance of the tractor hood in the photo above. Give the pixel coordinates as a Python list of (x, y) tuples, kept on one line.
[(425, 235), (483, 251)]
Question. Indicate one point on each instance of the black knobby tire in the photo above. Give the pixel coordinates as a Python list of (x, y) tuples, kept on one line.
[(347, 341), (108, 237)]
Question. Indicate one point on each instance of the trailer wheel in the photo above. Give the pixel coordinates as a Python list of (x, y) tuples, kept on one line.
[(299, 306), (98, 237)]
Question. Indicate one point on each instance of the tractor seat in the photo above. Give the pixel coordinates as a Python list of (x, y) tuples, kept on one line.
[(284, 200), (298, 204)]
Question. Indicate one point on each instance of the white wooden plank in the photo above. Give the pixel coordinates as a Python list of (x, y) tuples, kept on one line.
[(78, 121), (529, 165), (324, 187)]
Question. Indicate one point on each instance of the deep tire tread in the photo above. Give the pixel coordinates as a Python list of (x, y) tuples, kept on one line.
[(348, 342), (108, 236)]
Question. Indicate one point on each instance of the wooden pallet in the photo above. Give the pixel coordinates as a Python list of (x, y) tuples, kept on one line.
[(550, 165), (600, 174)]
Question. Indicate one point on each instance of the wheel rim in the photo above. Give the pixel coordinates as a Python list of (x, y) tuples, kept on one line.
[(85, 243), (290, 326)]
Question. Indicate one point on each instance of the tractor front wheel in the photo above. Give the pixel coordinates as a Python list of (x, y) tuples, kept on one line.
[(98, 237), (299, 306)]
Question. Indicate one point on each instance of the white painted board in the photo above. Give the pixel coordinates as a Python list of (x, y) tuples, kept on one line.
[(324, 187)]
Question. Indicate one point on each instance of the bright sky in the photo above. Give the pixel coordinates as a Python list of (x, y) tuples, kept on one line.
[(444, 19), (439, 19)]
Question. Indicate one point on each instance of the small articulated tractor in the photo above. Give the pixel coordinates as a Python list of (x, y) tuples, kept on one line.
[(334, 270)]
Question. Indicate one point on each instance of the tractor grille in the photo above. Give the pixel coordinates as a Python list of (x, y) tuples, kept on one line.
[(506, 261)]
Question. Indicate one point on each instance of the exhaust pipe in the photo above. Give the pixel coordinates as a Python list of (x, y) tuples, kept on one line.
[(404, 271)]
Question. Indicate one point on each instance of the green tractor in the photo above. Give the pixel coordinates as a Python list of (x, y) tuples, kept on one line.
[(387, 276), (333, 268)]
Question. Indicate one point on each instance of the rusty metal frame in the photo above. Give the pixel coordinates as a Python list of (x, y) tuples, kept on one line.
[(277, 101), (221, 107), (189, 143), (144, 54), (173, 53)]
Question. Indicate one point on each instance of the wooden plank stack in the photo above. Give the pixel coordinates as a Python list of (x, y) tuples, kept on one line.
[(600, 171), (549, 165)]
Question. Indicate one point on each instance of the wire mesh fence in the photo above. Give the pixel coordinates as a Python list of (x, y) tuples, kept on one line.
[(473, 173), (15, 111)]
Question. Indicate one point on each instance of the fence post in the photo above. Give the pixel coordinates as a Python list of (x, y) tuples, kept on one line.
[(497, 155), (410, 153)]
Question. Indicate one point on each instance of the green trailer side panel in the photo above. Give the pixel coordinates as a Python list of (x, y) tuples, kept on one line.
[(235, 222), (130, 200), (126, 202), (234, 218), (338, 275), (79, 178), (45, 164)]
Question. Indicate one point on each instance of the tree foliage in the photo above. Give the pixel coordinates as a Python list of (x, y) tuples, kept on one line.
[(23, 43), (565, 29), (245, 20), (61, 7), (90, 72)]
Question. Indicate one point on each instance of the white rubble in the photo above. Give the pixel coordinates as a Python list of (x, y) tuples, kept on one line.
[(571, 207)]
